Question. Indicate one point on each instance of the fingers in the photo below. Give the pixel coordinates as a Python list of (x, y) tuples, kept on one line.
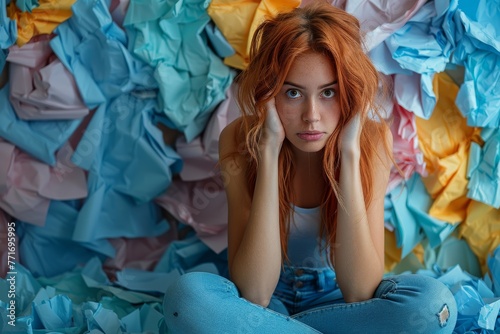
[(271, 104), (352, 133), (274, 132), (271, 109), (272, 117)]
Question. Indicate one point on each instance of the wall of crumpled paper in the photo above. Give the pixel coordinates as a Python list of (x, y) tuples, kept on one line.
[(110, 113)]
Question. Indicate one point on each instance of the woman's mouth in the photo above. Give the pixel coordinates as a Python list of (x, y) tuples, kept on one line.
[(310, 135)]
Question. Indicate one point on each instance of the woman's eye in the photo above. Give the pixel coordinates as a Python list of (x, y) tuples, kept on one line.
[(293, 93), (328, 93)]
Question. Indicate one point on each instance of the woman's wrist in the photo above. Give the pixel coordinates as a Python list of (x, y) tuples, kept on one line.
[(270, 146), (350, 153), (269, 153)]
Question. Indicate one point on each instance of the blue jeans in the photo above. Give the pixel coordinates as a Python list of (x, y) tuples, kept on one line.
[(308, 300)]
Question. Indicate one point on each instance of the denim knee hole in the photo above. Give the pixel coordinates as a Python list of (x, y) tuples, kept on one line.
[(443, 315)]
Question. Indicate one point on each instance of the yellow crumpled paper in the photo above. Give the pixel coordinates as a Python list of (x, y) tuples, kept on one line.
[(481, 230), (238, 20), (391, 251), (445, 140), (42, 20)]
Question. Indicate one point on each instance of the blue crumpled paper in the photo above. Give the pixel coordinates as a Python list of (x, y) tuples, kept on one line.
[(129, 165), (415, 52), (452, 253), (410, 218), (189, 253), (476, 309), (8, 27), (108, 213), (494, 266), (79, 301), (419, 203), (123, 147), (478, 26), (3, 58), (40, 139), (51, 311), (38, 246), (464, 33), (218, 42), (483, 169), (422, 45), (171, 37), (84, 299), (408, 232), (479, 96), (94, 49), (27, 5), (478, 50)]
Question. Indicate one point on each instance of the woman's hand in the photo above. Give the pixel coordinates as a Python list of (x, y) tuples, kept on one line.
[(273, 133), (351, 134)]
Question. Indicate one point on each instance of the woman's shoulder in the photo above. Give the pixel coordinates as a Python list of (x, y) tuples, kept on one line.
[(233, 161), (231, 139), (232, 127), (229, 135)]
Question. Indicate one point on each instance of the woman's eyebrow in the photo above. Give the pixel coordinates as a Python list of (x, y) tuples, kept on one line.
[(293, 84), (334, 82), (289, 83)]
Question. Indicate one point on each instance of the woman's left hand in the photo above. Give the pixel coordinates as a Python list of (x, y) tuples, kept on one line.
[(351, 134)]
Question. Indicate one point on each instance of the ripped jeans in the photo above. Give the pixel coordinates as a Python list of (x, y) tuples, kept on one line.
[(308, 300)]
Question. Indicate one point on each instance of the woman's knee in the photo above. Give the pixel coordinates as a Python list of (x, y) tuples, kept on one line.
[(424, 297), (191, 290), (182, 286), (429, 289)]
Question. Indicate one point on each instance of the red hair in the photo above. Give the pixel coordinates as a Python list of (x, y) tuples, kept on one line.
[(277, 42)]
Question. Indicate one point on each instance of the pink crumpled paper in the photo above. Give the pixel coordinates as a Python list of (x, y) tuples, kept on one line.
[(378, 18), (27, 185), (40, 86), (139, 253), (406, 152)]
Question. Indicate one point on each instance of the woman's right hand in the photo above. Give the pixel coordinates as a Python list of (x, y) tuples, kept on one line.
[(273, 132)]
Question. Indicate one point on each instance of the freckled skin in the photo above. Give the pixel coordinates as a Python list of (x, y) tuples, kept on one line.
[(307, 103)]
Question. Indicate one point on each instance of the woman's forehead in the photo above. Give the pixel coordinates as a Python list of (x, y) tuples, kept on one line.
[(313, 68)]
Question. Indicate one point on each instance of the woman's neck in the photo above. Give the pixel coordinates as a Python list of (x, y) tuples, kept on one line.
[(308, 182), (307, 160)]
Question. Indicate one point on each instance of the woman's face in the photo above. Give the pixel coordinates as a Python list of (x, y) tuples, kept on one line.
[(307, 103)]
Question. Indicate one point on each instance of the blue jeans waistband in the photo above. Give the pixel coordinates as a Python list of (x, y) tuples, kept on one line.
[(304, 277)]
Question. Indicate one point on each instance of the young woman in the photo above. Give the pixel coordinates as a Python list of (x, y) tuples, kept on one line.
[(306, 168)]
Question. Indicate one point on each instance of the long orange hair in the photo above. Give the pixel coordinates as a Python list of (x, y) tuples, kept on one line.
[(322, 28)]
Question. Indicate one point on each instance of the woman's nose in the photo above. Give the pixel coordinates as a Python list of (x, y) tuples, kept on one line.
[(311, 112)]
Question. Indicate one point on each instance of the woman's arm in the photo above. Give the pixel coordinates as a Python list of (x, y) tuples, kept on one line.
[(254, 247), (359, 247)]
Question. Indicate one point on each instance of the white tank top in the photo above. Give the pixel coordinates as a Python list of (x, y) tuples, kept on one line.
[(304, 249)]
